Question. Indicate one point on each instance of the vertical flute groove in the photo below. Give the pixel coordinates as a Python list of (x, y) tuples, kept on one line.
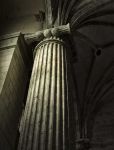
[(29, 101), (35, 99), (27, 134), (63, 99), (58, 98), (46, 99), (52, 100), (37, 116), (67, 96), (41, 98)]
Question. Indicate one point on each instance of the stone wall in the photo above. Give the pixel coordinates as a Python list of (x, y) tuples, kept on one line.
[(14, 66)]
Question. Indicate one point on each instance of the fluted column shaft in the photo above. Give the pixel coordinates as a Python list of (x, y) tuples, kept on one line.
[(46, 117)]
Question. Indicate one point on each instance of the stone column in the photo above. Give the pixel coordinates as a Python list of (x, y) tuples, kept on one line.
[(46, 118)]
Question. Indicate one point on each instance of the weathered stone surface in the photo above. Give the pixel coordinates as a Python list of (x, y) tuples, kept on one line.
[(13, 77), (45, 123)]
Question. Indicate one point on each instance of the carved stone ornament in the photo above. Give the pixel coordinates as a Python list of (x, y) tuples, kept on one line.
[(40, 35)]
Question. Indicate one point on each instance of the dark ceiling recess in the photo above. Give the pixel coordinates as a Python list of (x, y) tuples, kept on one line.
[(98, 52), (19, 8), (40, 16)]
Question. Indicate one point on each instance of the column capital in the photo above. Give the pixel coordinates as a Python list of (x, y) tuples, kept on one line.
[(52, 39), (40, 35)]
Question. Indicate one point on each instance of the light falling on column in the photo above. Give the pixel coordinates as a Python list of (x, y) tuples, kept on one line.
[(45, 121)]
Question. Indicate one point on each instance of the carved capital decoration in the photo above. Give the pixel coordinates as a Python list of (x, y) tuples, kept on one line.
[(47, 33)]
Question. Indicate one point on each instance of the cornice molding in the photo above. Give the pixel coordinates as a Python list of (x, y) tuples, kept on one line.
[(9, 36)]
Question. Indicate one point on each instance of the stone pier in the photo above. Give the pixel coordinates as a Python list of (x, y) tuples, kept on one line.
[(45, 124)]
